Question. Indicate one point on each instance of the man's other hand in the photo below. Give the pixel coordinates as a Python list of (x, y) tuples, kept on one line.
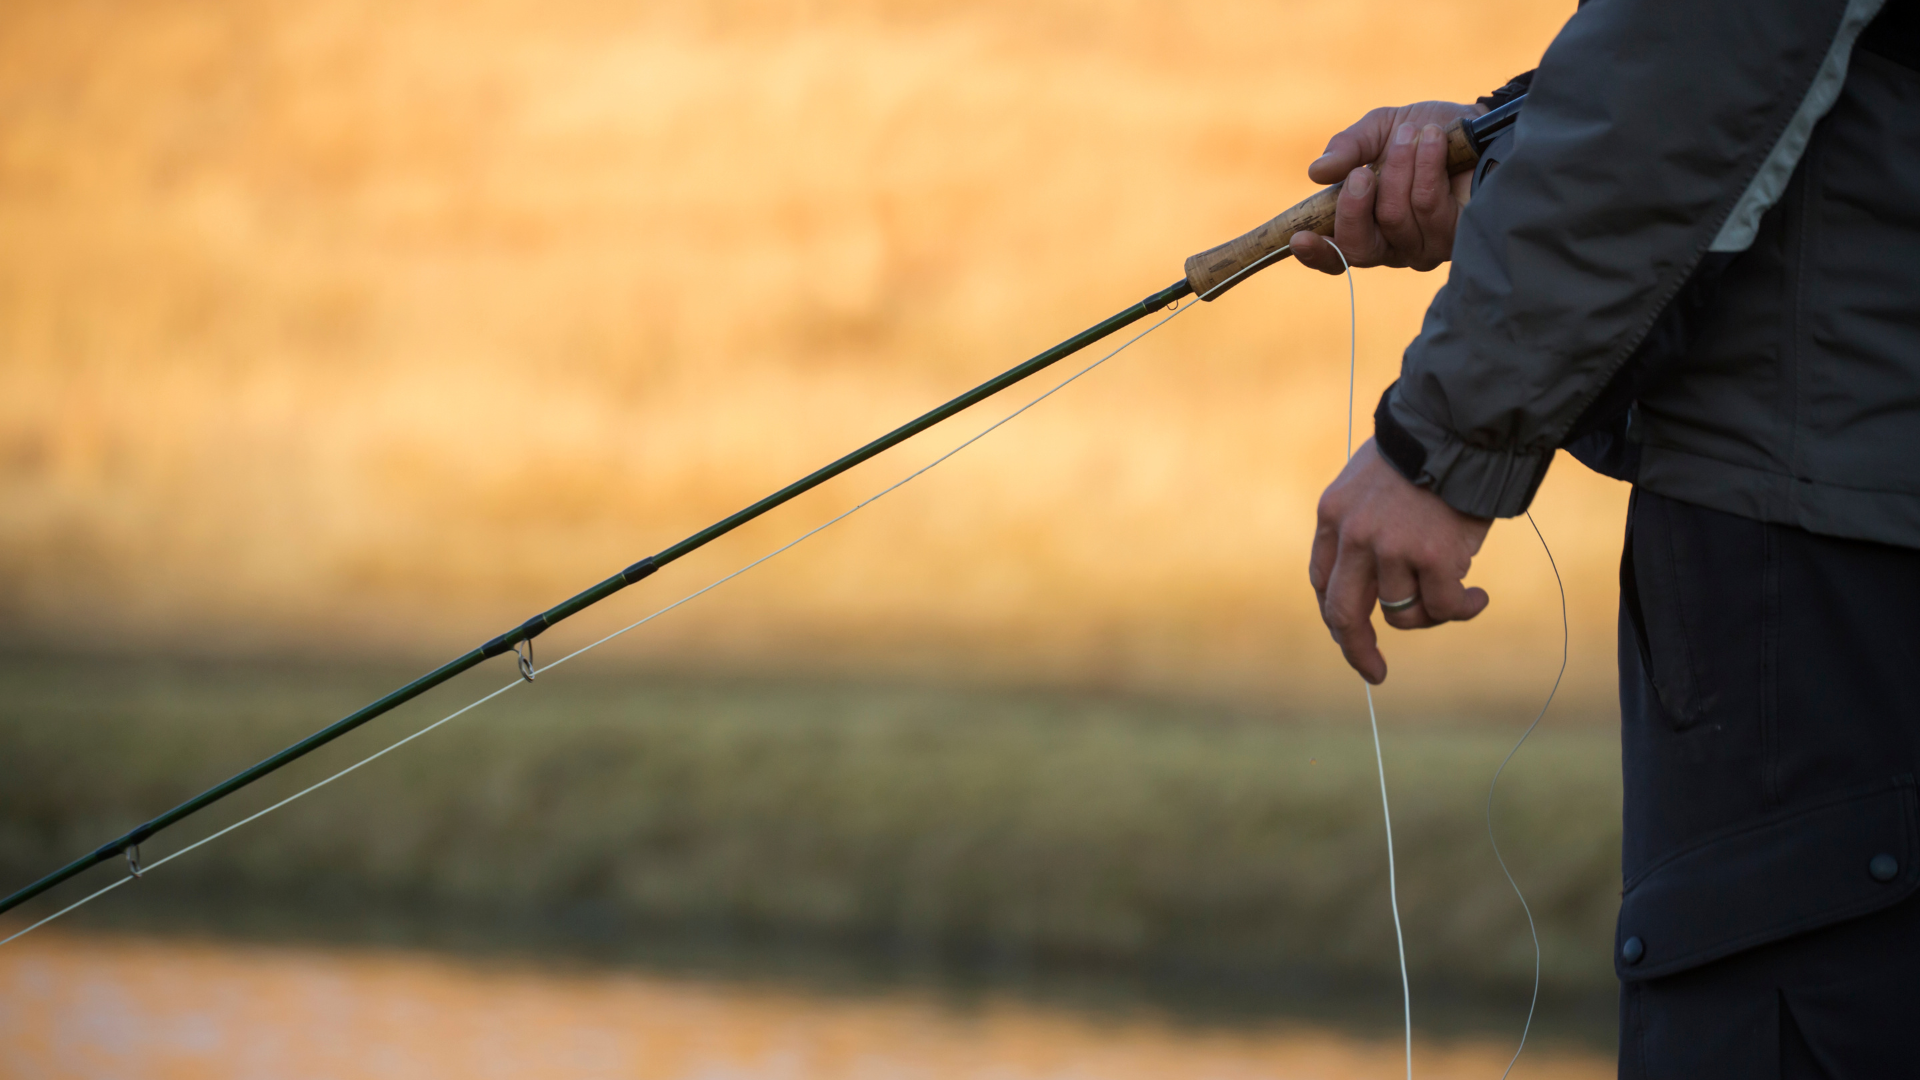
[(1382, 538), (1404, 214)]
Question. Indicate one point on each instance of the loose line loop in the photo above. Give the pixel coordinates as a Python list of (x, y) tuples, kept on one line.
[(1566, 638), (1373, 721)]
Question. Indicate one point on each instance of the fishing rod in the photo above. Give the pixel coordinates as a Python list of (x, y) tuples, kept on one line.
[(1208, 274)]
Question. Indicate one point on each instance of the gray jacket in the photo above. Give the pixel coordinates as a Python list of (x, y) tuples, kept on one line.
[(1696, 265)]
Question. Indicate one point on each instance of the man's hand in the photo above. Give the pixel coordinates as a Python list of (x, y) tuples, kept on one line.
[(1381, 538), (1405, 214)]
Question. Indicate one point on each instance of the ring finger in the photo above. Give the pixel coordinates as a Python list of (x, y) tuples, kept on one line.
[(1398, 585)]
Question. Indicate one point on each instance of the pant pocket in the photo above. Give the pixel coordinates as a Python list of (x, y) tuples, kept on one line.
[(1652, 589)]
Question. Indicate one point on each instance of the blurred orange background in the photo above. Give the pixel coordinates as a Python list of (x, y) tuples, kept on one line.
[(348, 327)]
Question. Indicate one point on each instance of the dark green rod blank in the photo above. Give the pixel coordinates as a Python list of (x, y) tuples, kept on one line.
[(533, 627)]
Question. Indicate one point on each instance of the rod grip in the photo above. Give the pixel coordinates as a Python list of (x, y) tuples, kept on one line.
[(1207, 270)]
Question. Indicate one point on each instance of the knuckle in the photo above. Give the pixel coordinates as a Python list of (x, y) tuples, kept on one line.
[(1400, 551)]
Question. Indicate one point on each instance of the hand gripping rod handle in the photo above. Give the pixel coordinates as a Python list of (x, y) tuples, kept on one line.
[(1208, 271)]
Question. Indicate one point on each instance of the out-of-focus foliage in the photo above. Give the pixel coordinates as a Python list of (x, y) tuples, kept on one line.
[(1027, 826)]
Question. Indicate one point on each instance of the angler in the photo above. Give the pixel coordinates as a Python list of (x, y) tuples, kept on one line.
[(1693, 263)]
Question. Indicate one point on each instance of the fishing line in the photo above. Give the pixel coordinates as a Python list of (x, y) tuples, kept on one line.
[(257, 815), (1353, 333), (1566, 637), (716, 583), (1373, 719)]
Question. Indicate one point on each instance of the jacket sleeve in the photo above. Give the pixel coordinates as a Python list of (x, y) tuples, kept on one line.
[(1654, 132)]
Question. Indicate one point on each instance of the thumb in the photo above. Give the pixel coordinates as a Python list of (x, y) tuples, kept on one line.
[(1360, 144)]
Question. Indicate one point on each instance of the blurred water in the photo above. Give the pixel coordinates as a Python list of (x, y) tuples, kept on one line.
[(135, 1008)]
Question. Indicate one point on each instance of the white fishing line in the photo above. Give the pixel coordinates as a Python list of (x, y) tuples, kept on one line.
[(1380, 759), (716, 583), (1373, 719)]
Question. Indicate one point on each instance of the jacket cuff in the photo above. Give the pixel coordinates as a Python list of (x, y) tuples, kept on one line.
[(1475, 481)]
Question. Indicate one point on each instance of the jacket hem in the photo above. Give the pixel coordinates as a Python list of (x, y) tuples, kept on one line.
[(1884, 517)]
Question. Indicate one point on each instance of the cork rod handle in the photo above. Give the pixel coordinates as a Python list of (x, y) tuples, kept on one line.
[(1207, 270)]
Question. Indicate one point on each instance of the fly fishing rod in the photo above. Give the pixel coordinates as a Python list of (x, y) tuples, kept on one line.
[(1208, 274)]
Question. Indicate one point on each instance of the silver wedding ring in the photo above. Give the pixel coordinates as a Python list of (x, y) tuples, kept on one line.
[(1391, 606)]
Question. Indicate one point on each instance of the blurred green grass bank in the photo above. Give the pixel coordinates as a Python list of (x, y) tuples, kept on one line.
[(1041, 829)]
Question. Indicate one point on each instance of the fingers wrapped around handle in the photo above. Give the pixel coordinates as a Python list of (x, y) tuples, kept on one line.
[(1214, 271)]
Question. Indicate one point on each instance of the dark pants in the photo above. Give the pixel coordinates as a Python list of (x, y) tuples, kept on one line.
[(1770, 707)]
